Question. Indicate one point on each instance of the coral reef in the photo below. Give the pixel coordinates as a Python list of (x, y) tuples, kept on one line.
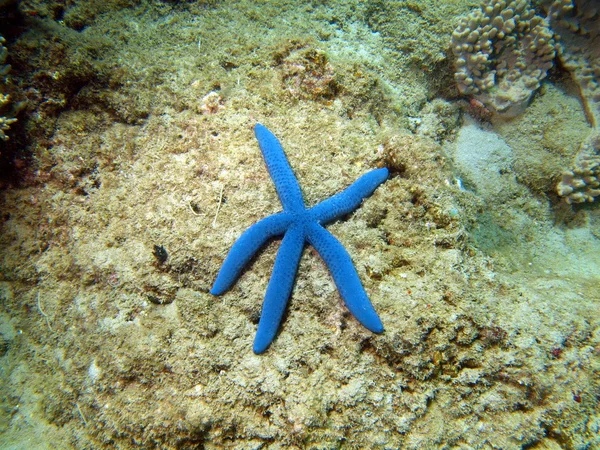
[(577, 22), (144, 171), (582, 183), (503, 51), (547, 136)]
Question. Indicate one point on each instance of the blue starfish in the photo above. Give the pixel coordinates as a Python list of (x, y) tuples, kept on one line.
[(300, 225)]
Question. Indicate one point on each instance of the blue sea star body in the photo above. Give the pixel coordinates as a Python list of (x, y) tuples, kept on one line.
[(300, 225)]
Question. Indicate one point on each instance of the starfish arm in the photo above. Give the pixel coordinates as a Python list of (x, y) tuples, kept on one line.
[(279, 168), (280, 287), (350, 198), (344, 274), (246, 246)]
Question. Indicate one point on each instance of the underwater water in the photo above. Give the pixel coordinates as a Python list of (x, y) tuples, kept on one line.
[(132, 168)]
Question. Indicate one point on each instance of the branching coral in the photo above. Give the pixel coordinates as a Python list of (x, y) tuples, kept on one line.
[(503, 51), (577, 22), (582, 183)]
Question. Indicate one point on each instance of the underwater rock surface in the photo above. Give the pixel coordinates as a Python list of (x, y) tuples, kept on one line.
[(136, 169)]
